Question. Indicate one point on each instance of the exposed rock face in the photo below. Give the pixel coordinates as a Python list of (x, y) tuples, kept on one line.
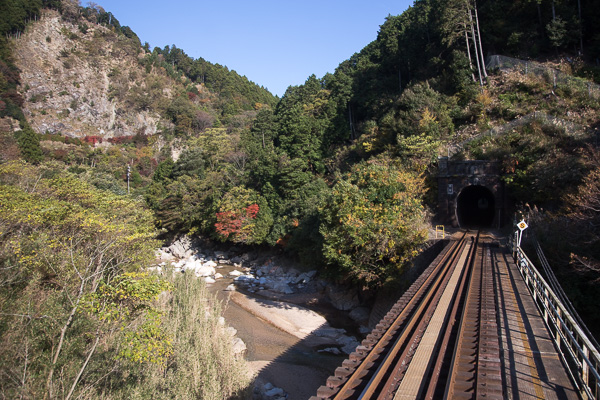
[(8, 124), (342, 298), (181, 248), (86, 84)]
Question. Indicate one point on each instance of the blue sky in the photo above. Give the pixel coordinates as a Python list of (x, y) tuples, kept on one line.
[(274, 43)]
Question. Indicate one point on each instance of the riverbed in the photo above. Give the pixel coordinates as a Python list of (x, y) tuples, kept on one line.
[(275, 356)]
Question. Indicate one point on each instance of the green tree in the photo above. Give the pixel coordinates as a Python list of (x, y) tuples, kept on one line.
[(164, 170), (374, 222), (557, 32), (29, 145), (67, 249), (259, 144)]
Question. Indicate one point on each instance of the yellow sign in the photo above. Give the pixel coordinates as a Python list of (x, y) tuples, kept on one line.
[(522, 225)]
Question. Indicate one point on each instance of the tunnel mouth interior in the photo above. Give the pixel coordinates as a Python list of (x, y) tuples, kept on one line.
[(475, 207)]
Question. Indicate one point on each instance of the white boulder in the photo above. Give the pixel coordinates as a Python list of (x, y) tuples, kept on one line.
[(203, 270), (348, 343), (332, 350), (360, 314), (156, 269), (274, 392), (283, 287), (221, 255), (239, 347)]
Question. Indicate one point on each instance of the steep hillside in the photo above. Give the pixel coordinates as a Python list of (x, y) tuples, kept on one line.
[(339, 172), (75, 80)]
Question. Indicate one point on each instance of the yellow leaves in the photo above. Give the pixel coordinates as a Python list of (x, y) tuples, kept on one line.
[(427, 118), (484, 98), (148, 343)]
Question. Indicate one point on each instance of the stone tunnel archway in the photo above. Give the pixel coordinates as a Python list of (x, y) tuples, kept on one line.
[(471, 194), (475, 207)]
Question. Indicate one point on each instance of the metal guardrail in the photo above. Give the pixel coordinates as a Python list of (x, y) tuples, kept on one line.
[(576, 349)]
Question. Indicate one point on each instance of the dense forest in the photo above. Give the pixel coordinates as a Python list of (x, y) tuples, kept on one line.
[(338, 173)]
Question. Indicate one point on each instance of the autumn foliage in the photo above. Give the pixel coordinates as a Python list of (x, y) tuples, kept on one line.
[(241, 219), (232, 223)]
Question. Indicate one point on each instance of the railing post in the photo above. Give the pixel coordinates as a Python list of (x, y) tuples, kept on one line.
[(546, 305), (585, 372), (558, 327)]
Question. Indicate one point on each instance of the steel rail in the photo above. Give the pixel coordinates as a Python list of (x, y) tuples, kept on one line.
[(488, 376), (468, 327), (399, 326), (397, 373), (451, 331)]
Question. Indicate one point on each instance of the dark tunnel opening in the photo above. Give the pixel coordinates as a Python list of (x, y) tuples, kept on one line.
[(475, 207)]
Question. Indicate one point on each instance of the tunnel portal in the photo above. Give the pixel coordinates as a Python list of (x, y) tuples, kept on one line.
[(475, 207), (471, 194)]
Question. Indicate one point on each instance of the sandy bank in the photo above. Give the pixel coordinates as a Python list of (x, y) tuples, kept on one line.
[(290, 318)]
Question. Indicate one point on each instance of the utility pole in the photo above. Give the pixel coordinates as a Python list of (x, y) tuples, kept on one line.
[(128, 176)]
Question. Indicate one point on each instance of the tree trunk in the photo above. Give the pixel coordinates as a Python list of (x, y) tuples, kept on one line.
[(87, 360), (479, 40), (351, 122), (475, 46), (580, 26), (63, 331), (400, 80), (469, 54)]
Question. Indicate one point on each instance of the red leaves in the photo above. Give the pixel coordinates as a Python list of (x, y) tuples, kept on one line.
[(92, 139), (233, 223), (228, 223), (252, 210)]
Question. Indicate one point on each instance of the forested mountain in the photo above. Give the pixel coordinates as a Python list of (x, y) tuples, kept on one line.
[(339, 172)]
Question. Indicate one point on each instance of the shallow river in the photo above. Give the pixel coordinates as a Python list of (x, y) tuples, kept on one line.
[(276, 356)]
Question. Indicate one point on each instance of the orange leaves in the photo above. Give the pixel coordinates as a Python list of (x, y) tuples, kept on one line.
[(252, 211), (228, 223)]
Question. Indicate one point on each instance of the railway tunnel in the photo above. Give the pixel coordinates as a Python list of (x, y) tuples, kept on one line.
[(475, 207), (471, 194)]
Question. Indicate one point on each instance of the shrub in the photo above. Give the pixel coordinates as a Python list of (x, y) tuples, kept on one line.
[(29, 145), (243, 217)]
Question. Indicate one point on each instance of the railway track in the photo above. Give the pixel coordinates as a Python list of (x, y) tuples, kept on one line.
[(440, 340)]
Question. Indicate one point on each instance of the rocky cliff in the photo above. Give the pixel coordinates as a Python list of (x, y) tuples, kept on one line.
[(86, 81)]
